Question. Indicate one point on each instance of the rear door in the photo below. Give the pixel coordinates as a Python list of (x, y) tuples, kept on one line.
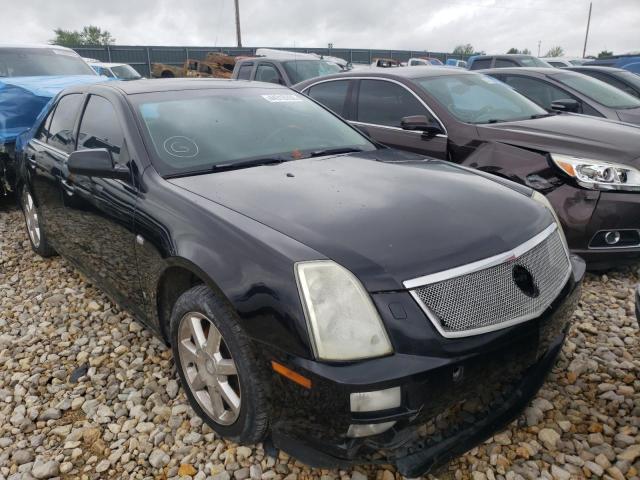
[(102, 209), (46, 155), (380, 105)]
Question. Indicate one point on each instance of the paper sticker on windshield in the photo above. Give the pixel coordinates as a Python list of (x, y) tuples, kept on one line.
[(282, 98)]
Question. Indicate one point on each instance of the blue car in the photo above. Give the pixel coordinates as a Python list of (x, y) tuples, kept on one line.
[(628, 62)]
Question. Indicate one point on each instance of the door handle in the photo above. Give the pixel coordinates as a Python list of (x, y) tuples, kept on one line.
[(67, 187), (32, 159)]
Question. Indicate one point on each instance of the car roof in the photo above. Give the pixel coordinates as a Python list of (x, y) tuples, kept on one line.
[(504, 55), (598, 68), (107, 64), (172, 85), (35, 45), (527, 70)]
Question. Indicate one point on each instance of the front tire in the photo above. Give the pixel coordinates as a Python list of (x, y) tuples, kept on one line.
[(217, 367), (32, 218)]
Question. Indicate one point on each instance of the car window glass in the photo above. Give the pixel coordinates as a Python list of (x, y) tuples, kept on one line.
[(386, 103), (541, 92), (611, 80), (100, 128), (245, 72), (61, 133), (266, 72), (505, 63), (556, 64), (481, 63), (331, 94), (43, 131), (598, 91)]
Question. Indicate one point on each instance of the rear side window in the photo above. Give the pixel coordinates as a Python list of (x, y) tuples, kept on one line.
[(556, 64), (332, 95), (61, 133), (539, 91), (266, 72), (481, 63), (505, 63), (100, 128), (385, 103), (244, 73)]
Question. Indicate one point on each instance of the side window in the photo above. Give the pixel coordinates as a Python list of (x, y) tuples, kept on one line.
[(61, 133), (481, 63), (245, 71), (43, 131), (385, 103), (266, 72), (100, 128), (613, 81), (505, 63), (539, 91), (332, 94)]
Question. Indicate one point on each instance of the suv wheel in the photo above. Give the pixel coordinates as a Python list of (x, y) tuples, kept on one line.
[(217, 367)]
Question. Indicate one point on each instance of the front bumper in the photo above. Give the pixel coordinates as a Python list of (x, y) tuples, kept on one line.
[(454, 395)]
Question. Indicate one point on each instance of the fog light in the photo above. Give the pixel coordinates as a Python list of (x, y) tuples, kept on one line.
[(612, 237), (368, 429), (376, 400)]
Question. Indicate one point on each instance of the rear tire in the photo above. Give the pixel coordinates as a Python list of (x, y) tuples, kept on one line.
[(217, 368), (35, 230)]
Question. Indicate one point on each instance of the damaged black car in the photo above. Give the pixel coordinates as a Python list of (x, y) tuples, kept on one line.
[(347, 302)]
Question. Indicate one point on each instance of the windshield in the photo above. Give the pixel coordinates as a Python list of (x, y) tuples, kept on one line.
[(125, 72), (596, 90), (533, 62), (192, 131), (479, 98), (27, 62), (631, 78), (299, 70)]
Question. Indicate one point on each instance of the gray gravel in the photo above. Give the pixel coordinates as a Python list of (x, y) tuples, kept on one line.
[(85, 392)]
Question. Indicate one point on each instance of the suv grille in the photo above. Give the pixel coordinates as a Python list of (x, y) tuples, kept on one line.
[(518, 289)]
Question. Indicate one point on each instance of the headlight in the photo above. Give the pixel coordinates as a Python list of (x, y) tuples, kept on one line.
[(342, 321), (597, 174), (540, 198)]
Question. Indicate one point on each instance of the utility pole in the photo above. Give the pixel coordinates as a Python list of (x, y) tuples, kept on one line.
[(539, 43), (238, 36), (586, 35)]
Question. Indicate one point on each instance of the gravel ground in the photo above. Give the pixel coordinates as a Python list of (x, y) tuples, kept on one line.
[(85, 392)]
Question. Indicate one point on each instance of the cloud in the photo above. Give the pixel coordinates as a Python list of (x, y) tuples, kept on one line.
[(434, 25)]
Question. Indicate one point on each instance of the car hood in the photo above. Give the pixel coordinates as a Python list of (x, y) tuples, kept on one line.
[(386, 221), (577, 135)]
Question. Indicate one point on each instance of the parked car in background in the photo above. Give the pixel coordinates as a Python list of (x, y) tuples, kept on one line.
[(626, 62), (587, 167), (560, 62), (323, 314), (30, 76), (422, 61), (457, 63), (568, 91), (116, 71), (617, 77), (477, 62), (282, 71), (385, 63)]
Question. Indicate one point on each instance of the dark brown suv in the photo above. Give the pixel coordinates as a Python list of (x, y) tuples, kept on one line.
[(587, 167)]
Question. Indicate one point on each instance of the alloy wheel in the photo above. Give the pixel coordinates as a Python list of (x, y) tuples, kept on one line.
[(209, 368), (31, 217)]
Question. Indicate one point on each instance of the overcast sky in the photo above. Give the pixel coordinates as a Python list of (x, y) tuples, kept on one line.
[(435, 25)]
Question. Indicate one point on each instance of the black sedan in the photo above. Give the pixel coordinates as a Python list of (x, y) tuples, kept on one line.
[(587, 167), (620, 78), (340, 297), (567, 91)]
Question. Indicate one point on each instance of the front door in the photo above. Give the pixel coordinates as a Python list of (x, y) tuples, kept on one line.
[(379, 108)]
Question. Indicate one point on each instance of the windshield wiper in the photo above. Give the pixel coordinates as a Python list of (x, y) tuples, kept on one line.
[(254, 162), (542, 115), (334, 151)]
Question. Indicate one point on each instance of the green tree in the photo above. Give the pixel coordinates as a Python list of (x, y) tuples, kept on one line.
[(605, 53), (526, 51), (464, 50), (90, 35), (512, 50), (556, 51)]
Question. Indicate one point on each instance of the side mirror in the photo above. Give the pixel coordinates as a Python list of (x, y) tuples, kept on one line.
[(96, 163), (565, 105), (420, 123)]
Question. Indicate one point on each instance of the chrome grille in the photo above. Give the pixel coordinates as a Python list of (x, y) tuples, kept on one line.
[(489, 299)]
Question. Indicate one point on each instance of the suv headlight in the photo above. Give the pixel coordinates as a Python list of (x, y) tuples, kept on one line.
[(598, 174), (540, 198), (343, 322)]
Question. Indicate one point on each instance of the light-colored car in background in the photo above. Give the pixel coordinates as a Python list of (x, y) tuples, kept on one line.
[(116, 71), (423, 61), (561, 62), (454, 62)]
